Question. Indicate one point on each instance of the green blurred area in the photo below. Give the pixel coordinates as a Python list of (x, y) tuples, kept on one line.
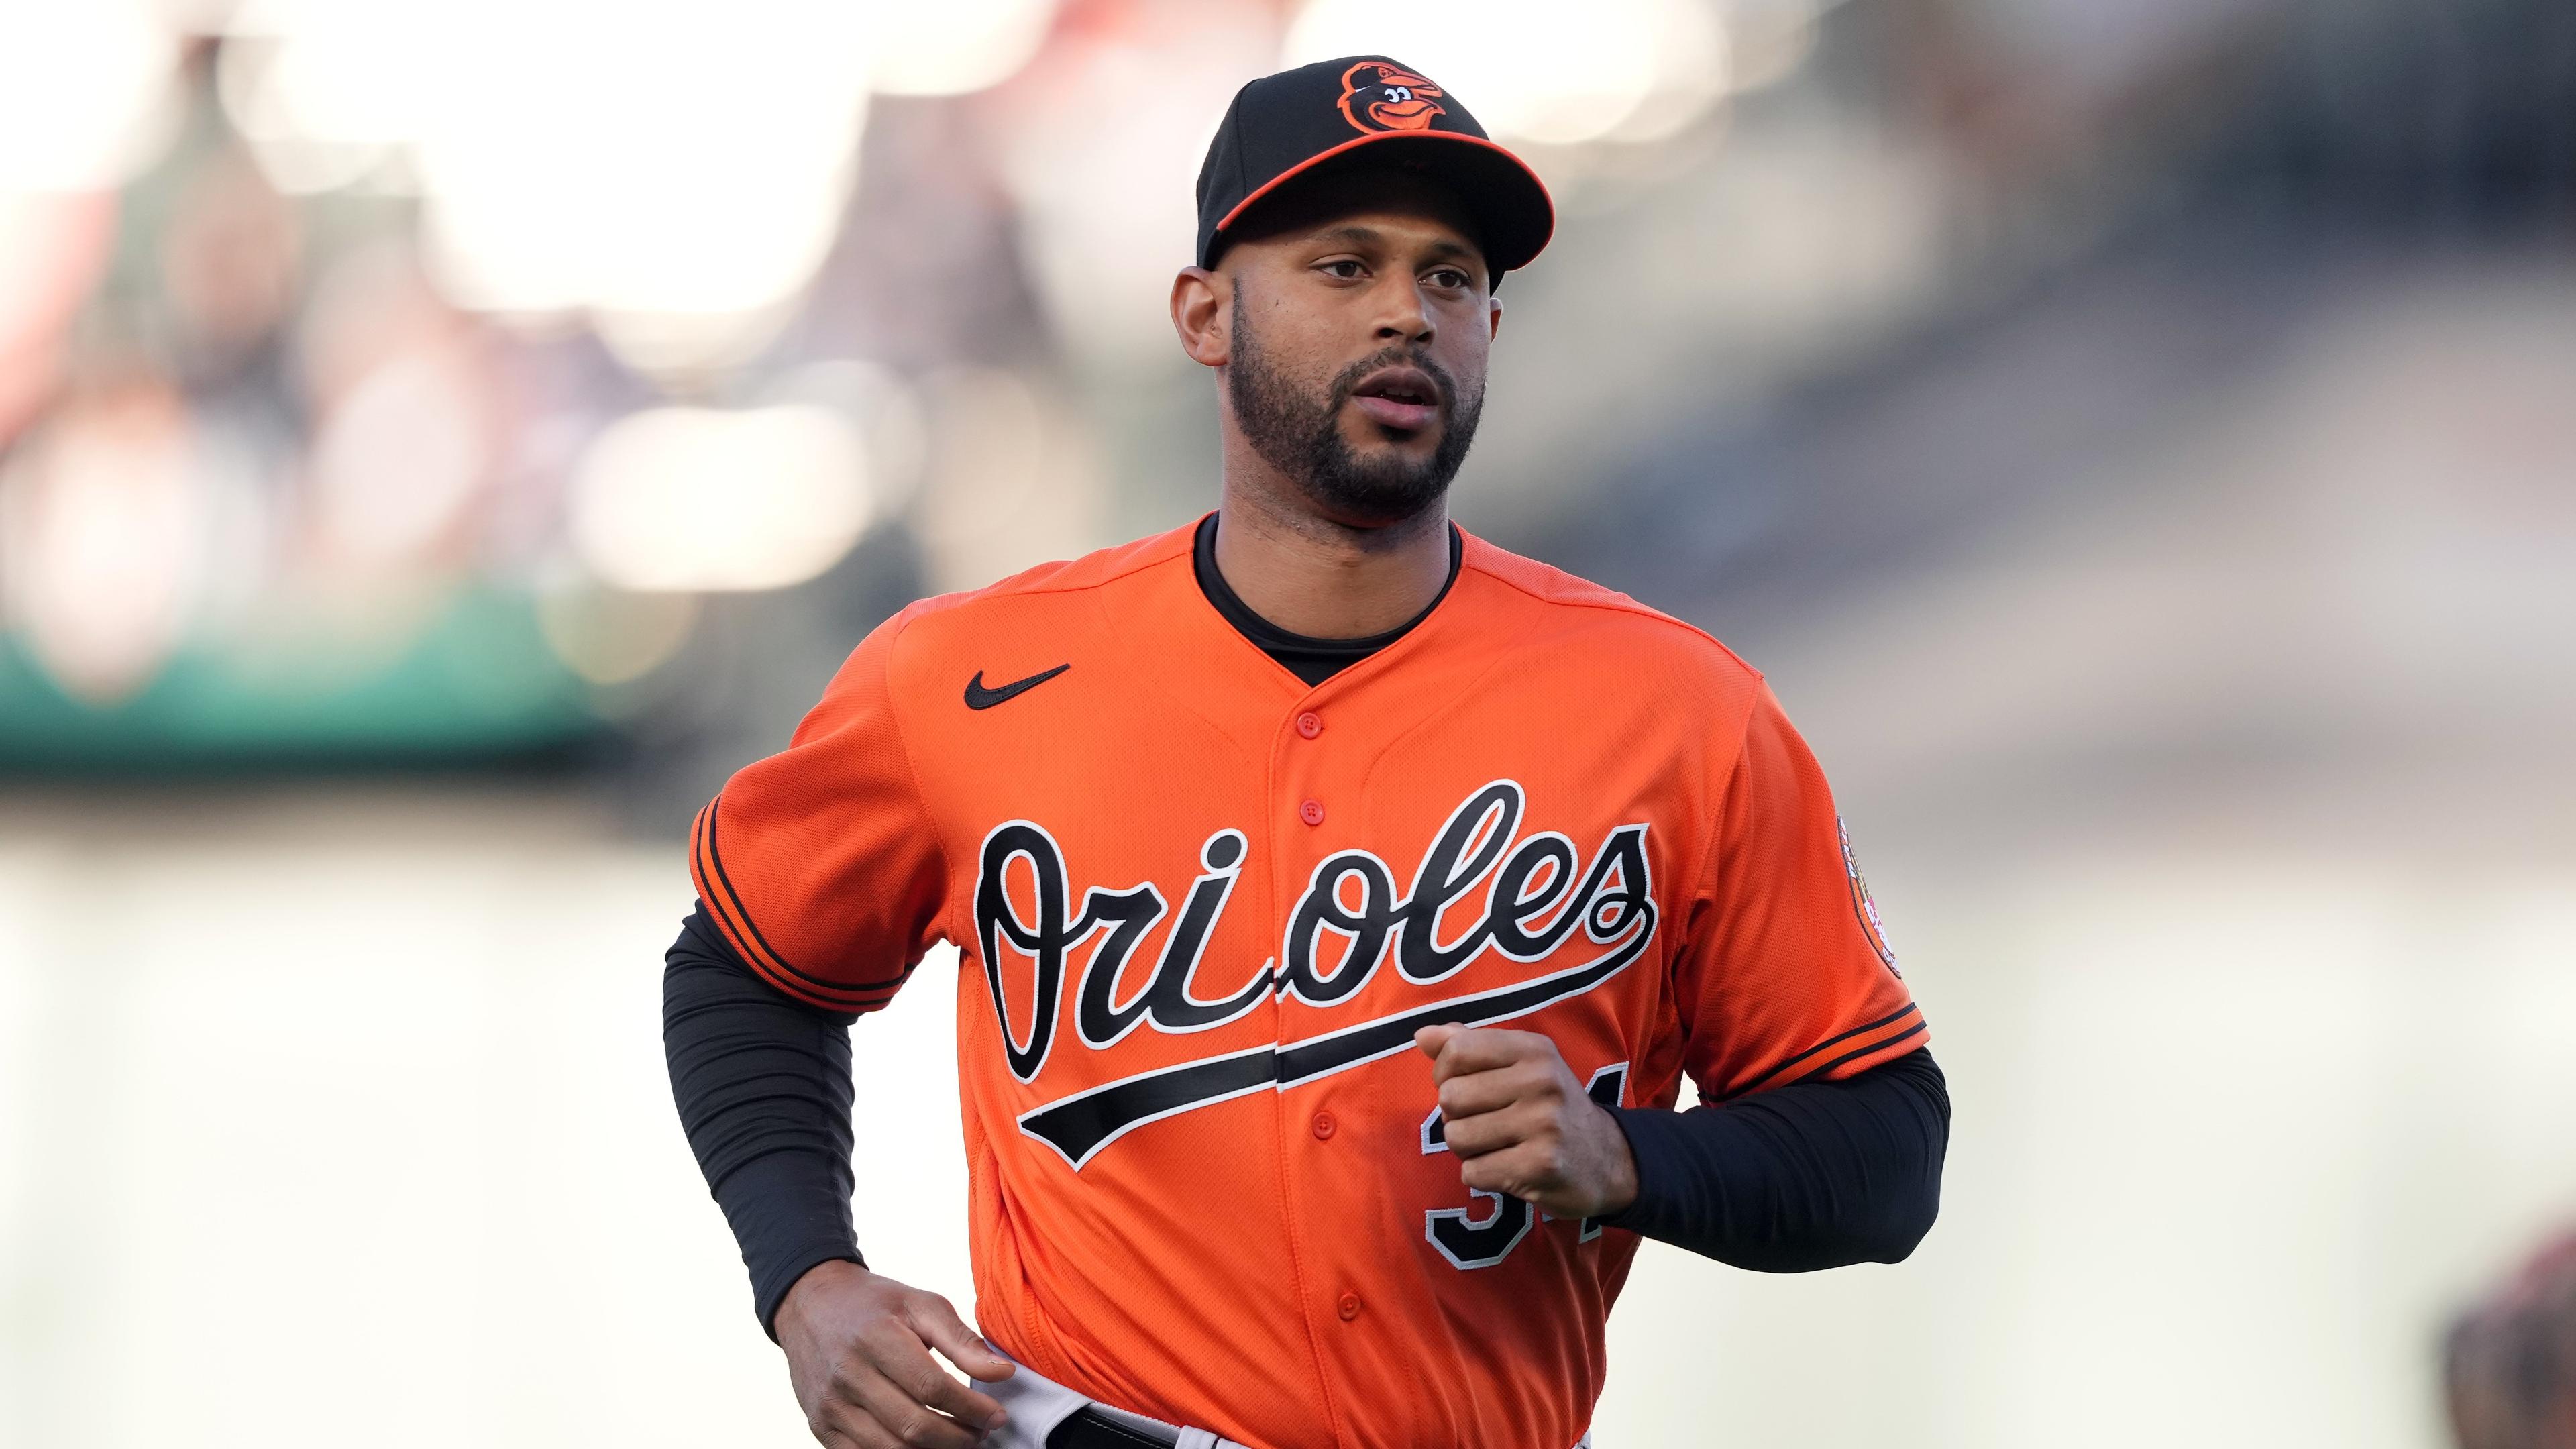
[(473, 681)]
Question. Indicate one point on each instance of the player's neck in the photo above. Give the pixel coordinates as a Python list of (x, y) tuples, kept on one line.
[(1312, 576)]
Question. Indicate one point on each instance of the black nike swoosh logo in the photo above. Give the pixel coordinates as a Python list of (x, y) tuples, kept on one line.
[(978, 697)]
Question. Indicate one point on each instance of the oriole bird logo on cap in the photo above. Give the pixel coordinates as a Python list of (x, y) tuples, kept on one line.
[(1381, 97)]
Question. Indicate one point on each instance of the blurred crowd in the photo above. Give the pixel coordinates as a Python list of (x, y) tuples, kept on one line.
[(391, 380), (391, 377)]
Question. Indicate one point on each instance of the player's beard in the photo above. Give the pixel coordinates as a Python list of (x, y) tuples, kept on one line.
[(1300, 433)]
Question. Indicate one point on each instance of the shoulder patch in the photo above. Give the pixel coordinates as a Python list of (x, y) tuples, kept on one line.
[(1862, 906)]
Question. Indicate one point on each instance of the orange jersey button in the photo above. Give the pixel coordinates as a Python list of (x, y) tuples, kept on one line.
[(1310, 724), (1324, 1125), (1312, 812), (1349, 1306)]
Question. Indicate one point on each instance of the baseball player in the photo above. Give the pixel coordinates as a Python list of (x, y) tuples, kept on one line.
[(1340, 902)]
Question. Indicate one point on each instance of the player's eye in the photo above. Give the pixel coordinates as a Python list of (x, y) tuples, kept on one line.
[(1449, 279), (1345, 269)]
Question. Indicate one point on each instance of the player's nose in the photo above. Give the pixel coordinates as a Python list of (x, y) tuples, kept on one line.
[(1403, 318)]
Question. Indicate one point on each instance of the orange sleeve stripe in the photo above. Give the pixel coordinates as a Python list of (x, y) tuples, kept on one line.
[(720, 902), (736, 917), (830, 999), (1892, 1019), (706, 869), (1880, 1049)]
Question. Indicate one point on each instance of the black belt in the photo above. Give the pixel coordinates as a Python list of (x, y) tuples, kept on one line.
[(1086, 1429)]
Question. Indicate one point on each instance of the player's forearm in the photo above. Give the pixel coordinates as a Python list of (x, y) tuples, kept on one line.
[(1816, 1175), (762, 1083)]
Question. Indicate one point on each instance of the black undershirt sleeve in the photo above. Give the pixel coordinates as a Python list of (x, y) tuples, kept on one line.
[(762, 1082), (1813, 1175)]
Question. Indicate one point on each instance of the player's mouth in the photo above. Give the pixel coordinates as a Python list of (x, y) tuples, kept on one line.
[(1403, 398)]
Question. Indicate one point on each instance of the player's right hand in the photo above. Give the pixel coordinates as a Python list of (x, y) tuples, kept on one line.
[(858, 1351)]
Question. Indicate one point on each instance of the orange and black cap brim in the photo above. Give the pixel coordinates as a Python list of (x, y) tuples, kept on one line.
[(1511, 210), (1295, 131)]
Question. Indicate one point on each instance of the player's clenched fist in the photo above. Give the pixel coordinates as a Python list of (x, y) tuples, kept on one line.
[(1520, 1123), (858, 1350)]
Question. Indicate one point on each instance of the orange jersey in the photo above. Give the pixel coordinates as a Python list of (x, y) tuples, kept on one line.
[(1202, 909)]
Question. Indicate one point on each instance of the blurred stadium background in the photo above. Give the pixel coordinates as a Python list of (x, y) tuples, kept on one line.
[(439, 441)]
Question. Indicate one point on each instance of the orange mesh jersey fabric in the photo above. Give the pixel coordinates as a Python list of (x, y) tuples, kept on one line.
[(1202, 908)]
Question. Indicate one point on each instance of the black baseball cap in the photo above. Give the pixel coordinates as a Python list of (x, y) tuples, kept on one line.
[(1367, 110)]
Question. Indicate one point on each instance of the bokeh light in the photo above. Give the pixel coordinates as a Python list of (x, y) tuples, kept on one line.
[(704, 499), (327, 91), (1128, 118), (54, 247), (102, 537), (613, 636), (1531, 70), (959, 46), (85, 92), (399, 459), (684, 159)]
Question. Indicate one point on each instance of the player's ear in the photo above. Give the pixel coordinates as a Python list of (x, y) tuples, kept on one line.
[(1200, 317), (1493, 317)]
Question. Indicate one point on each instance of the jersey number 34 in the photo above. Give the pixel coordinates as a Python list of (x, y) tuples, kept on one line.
[(1484, 1234)]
